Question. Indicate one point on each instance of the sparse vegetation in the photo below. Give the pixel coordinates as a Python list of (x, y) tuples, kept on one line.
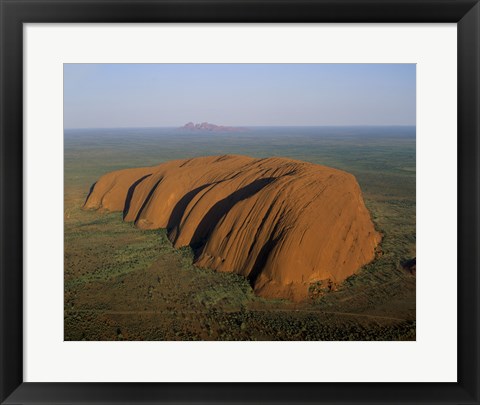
[(119, 278)]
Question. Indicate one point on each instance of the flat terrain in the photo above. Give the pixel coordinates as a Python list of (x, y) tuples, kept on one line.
[(122, 283)]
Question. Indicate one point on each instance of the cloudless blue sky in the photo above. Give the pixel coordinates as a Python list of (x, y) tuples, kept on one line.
[(155, 95)]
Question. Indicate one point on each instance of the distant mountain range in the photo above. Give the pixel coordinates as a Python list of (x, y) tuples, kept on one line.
[(206, 126)]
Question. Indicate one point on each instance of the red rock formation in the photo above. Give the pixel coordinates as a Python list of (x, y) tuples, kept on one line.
[(205, 126), (283, 224)]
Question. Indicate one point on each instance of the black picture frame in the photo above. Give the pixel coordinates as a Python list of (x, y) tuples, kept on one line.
[(465, 13)]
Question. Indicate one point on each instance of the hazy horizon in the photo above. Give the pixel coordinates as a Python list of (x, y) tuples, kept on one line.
[(100, 96), (244, 126)]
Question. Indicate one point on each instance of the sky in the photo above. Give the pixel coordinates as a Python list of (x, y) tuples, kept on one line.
[(170, 95)]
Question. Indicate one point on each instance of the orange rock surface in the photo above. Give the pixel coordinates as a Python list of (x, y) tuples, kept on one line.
[(282, 223)]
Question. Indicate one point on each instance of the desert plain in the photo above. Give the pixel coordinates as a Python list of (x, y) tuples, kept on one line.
[(148, 272)]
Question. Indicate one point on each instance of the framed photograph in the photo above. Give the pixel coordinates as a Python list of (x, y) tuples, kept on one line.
[(226, 202)]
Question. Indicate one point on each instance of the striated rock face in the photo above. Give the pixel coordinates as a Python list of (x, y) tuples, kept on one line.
[(283, 224)]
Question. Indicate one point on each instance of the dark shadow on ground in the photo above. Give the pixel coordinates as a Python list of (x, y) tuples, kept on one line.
[(410, 266)]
